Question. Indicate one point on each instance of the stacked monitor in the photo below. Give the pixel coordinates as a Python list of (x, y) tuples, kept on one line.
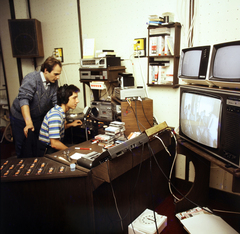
[(216, 65), (209, 117)]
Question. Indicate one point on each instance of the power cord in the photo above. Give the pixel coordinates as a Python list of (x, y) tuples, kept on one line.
[(150, 161), (114, 197), (140, 99), (167, 178)]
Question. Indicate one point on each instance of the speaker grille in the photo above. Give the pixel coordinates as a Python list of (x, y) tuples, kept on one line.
[(26, 38)]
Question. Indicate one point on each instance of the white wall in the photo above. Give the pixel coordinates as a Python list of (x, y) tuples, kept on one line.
[(9, 61), (115, 24), (216, 21), (59, 22)]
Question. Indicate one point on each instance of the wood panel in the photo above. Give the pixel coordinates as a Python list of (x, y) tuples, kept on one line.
[(137, 115)]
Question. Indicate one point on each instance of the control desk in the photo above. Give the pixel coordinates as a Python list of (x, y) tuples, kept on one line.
[(44, 195)]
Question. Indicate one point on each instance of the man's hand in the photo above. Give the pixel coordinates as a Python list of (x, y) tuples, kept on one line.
[(27, 118), (25, 130), (76, 123)]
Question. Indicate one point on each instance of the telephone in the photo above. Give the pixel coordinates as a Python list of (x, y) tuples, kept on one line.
[(145, 223)]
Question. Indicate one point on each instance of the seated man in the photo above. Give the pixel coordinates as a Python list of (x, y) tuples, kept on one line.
[(54, 123)]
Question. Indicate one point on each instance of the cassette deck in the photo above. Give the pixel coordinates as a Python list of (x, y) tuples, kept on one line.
[(104, 62)]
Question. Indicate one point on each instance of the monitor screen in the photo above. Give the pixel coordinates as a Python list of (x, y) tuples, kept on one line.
[(227, 62), (191, 63), (199, 118)]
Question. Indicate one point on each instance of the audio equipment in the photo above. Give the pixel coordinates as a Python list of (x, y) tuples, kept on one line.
[(93, 75), (93, 159), (44, 195), (102, 110), (125, 93), (26, 38), (126, 80), (101, 62), (130, 144)]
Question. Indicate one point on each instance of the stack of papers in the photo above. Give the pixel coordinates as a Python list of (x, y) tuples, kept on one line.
[(198, 221)]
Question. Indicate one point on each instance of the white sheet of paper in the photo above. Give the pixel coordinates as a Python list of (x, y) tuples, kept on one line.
[(207, 224), (88, 48), (76, 156)]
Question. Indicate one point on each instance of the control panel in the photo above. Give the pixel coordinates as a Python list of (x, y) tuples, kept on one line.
[(34, 168)]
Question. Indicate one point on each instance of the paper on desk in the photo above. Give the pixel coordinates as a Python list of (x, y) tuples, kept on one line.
[(207, 224), (76, 156)]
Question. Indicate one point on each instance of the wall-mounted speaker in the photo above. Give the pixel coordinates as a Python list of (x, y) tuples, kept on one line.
[(26, 38)]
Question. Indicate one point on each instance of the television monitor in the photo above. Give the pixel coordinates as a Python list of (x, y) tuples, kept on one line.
[(210, 119), (194, 65), (225, 65)]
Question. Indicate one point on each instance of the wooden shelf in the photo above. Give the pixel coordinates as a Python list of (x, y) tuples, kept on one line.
[(173, 59)]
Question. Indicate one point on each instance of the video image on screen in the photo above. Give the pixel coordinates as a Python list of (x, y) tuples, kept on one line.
[(226, 63), (191, 63), (200, 118)]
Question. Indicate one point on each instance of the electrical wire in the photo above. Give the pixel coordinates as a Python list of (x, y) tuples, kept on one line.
[(151, 175), (224, 211), (138, 122), (171, 170), (138, 175), (99, 201), (144, 112), (143, 80), (183, 196), (114, 197), (136, 115), (190, 30), (134, 187)]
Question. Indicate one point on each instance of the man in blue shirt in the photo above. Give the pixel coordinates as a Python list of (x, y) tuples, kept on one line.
[(54, 123)]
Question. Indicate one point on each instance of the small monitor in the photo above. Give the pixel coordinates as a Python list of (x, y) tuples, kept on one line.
[(194, 63), (226, 62), (191, 63)]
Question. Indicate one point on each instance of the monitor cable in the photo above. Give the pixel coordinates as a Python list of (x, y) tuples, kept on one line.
[(151, 175), (114, 197), (183, 196), (134, 187), (140, 99), (212, 211), (138, 122)]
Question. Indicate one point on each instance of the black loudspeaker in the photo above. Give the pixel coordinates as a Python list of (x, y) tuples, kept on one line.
[(26, 38)]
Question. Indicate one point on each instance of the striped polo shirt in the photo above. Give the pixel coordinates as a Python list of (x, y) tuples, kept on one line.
[(53, 125)]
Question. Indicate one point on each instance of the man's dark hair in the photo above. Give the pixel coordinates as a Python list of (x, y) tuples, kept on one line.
[(64, 92), (50, 63)]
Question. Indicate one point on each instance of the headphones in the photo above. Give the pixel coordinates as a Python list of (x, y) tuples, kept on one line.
[(64, 87)]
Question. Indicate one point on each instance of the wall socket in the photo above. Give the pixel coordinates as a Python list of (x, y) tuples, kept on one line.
[(58, 54)]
